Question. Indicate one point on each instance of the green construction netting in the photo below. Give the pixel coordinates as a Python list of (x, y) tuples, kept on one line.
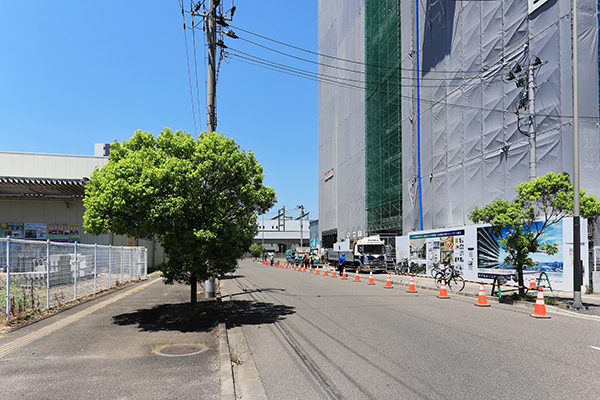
[(383, 138)]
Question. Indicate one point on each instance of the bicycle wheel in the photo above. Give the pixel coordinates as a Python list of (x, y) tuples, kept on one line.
[(457, 282), (438, 279)]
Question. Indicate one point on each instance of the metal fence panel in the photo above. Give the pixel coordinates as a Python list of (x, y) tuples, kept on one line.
[(37, 275)]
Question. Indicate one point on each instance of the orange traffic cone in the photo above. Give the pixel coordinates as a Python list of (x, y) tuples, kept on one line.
[(443, 293), (481, 299), (310, 269), (371, 281), (411, 285), (333, 274), (317, 270), (344, 274), (325, 271), (540, 306), (388, 282), (532, 284), (356, 277)]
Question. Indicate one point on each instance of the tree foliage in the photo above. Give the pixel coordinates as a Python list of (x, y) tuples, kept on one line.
[(257, 249), (519, 224), (200, 197)]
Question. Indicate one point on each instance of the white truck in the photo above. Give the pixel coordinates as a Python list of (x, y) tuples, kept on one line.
[(367, 254)]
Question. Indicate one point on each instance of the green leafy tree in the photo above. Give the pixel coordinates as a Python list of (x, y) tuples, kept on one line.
[(200, 197), (519, 224), (257, 249)]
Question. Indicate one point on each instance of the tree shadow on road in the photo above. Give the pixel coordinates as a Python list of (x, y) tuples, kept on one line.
[(173, 317), (243, 312)]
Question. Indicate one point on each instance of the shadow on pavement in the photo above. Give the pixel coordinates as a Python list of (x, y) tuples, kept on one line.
[(173, 317), (243, 312), (248, 291)]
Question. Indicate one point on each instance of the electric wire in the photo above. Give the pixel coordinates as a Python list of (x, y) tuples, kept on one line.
[(345, 59), (196, 67), (187, 56), (339, 81), (316, 74), (431, 103)]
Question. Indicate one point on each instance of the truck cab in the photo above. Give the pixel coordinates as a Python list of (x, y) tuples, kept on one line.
[(370, 253)]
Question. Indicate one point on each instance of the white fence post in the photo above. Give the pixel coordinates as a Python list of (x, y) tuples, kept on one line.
[(8, 279), (47, 274), (75, 272), (109, 266), (121, 265), (130, 268), (95, 265)]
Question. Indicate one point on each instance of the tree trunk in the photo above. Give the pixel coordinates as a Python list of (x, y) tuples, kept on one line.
[(521, 282), (193, 293)]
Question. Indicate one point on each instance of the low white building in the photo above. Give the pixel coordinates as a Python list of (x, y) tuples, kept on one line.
[(278, 236), (41, 197)]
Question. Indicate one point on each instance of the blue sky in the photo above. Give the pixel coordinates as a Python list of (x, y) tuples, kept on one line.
[(75, 73)]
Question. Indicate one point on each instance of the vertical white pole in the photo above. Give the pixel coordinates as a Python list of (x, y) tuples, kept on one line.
[(8, 279), (95, 266), (47, 274), (121, 265), (75, 272), (109, 266)]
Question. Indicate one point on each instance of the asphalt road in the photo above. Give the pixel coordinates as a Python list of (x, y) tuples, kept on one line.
[(316, 337), (110, 348)]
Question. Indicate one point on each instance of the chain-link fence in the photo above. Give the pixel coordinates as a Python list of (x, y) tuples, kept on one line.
[(36, 275)]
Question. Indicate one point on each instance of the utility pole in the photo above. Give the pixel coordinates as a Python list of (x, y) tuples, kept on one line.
[(302, 215), (211, 36), (577, 269), (527, 100), (212, 16), (531, 110)]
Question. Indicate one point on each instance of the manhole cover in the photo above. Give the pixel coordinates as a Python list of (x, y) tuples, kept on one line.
[(180, 350)]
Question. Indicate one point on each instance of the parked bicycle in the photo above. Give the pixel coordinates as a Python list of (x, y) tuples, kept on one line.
[(452, 277), (406, 268)]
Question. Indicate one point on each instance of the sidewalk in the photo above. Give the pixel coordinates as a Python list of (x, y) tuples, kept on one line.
[(138, 342)]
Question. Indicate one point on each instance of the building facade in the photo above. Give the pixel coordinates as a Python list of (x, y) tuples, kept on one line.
[(446, 106), (41, 198)]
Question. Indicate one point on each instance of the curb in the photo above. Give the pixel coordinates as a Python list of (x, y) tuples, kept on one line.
[(227, 386), (243, 380)]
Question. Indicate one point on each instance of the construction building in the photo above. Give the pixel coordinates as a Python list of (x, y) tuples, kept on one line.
[(441, 105)]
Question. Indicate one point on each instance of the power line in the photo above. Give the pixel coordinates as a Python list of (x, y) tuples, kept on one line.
[(344, 59), (411, 98), (187, 56), (318, 75), (195, 67)]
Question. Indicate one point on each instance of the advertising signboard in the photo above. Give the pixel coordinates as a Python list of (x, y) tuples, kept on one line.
[(35, 231), (12, 229)]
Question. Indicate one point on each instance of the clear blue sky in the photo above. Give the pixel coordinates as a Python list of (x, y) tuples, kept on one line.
[(75, 73)]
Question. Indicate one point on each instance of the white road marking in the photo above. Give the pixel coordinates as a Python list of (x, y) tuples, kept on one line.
[(594, 347)]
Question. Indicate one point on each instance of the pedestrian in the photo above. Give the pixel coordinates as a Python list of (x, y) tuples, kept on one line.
[(272, 261), (341, 262)]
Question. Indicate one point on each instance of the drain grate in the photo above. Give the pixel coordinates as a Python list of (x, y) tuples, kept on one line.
[(180, 350)]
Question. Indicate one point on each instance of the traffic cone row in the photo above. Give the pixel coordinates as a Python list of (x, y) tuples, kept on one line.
[(411, 285), (538, 312), (370, 281), (540, 306), (481, 299), (443, 293)]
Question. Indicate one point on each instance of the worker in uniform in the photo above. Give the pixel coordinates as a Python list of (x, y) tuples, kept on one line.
[(341, 262)]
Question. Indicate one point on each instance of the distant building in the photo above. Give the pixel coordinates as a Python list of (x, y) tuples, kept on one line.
[(41, 197), (278, 237), (422, 127)]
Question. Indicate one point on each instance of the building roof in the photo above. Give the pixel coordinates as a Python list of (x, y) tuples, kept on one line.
[(41, 187)]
